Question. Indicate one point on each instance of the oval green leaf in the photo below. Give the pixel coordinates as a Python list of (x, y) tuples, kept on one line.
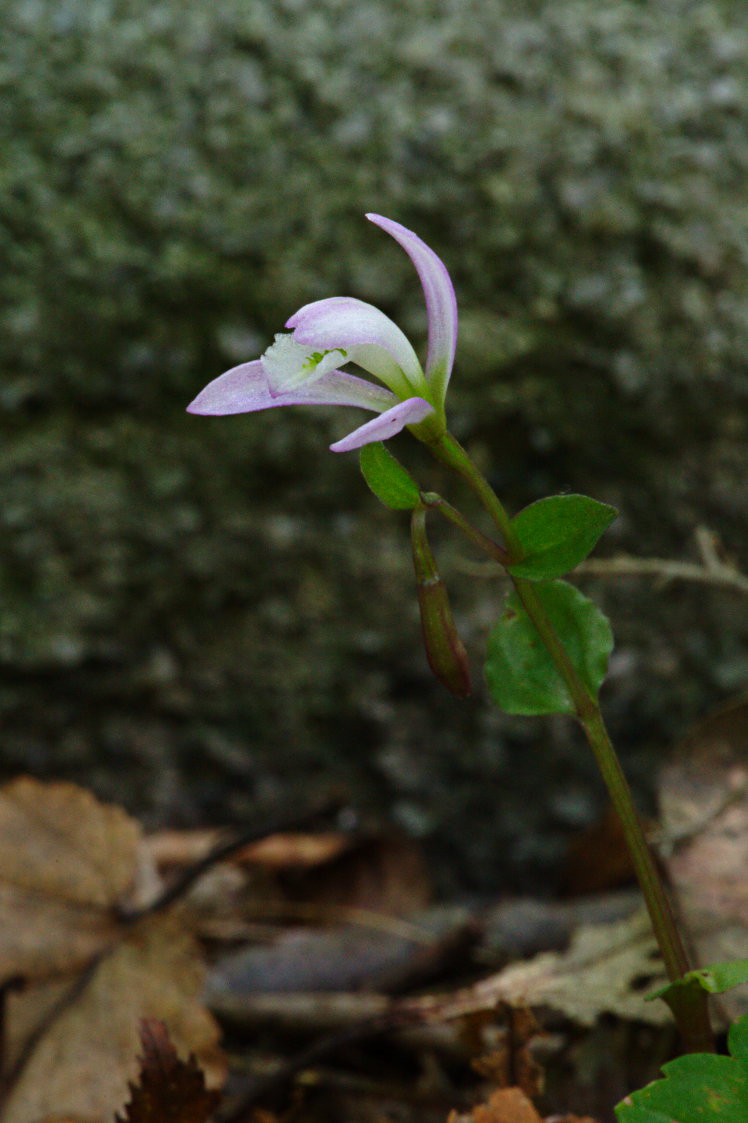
[(698, 1088), (387, 478), (520, 673), (557, 533)]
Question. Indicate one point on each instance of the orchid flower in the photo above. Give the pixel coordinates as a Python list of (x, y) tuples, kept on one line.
[(302, 368)]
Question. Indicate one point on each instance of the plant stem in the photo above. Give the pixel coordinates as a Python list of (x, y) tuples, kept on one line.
[(689, 1008), (451, 453), (477, 537)]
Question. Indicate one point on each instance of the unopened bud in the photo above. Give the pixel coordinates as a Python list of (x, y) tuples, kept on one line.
[(444, 648)]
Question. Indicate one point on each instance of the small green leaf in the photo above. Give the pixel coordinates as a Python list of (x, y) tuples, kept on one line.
[(521, 675), (719, 977), (715, 979), (387, 478), (698, 1088), (737, 1039), (558, 533)]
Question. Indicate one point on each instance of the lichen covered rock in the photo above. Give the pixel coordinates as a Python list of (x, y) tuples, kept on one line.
[(189, 602)]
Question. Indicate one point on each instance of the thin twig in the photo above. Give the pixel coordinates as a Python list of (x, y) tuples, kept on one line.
[(666, 570), (221, 851), (711, 570)]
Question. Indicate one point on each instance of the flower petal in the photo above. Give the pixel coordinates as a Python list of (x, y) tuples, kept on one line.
[(368, 336), (381, 428), (441, 303), (244, 389)]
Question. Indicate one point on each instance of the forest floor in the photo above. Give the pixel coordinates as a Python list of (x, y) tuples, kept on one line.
[(303, 971)]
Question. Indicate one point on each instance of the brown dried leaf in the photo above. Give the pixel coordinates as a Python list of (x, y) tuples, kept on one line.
[(280, 851), (65, 861), (85, 1060), (169, 1090), (295, 875), (512, 1064), (507, 1105), (704, 808), (381, 873), (295, 849), (511, 1105)]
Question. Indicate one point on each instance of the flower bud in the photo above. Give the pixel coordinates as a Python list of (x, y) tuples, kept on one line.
[(444, 648)]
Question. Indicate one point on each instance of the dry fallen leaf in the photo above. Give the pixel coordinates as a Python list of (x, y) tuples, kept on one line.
[(381, 873), (279, 851), (87, 1056), (511, 1105), (511, 1063), (322, 878), (506, 1105), (169, 1090), (67, 862), (607, 969), (704, 808)]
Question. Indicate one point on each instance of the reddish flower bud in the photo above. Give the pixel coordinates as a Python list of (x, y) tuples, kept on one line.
[(444, 648)]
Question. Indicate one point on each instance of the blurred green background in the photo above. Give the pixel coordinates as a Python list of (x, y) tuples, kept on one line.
[(204, 617)]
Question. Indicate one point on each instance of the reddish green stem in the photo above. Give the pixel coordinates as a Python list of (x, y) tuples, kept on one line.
[(481, 540), (692, 1014)]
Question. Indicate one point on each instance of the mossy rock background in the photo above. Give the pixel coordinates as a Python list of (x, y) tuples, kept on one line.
[(202, 617)]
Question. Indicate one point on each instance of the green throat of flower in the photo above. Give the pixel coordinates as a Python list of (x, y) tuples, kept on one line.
[(288, 365)]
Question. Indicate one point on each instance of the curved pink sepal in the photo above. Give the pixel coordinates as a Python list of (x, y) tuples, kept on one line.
[(409, 412), (441, 303), (244, 389)]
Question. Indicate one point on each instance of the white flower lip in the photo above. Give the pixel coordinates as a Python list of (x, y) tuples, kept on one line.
[(289, 366)]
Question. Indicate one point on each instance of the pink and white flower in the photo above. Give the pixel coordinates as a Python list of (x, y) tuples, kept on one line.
[(303, 367)]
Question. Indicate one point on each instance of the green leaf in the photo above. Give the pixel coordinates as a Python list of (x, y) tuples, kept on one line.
[(715, 979), (558, 533), (697, 1088), (719, 977), (737, 1039), (638, 1114), (521, 675), (387, 478)]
